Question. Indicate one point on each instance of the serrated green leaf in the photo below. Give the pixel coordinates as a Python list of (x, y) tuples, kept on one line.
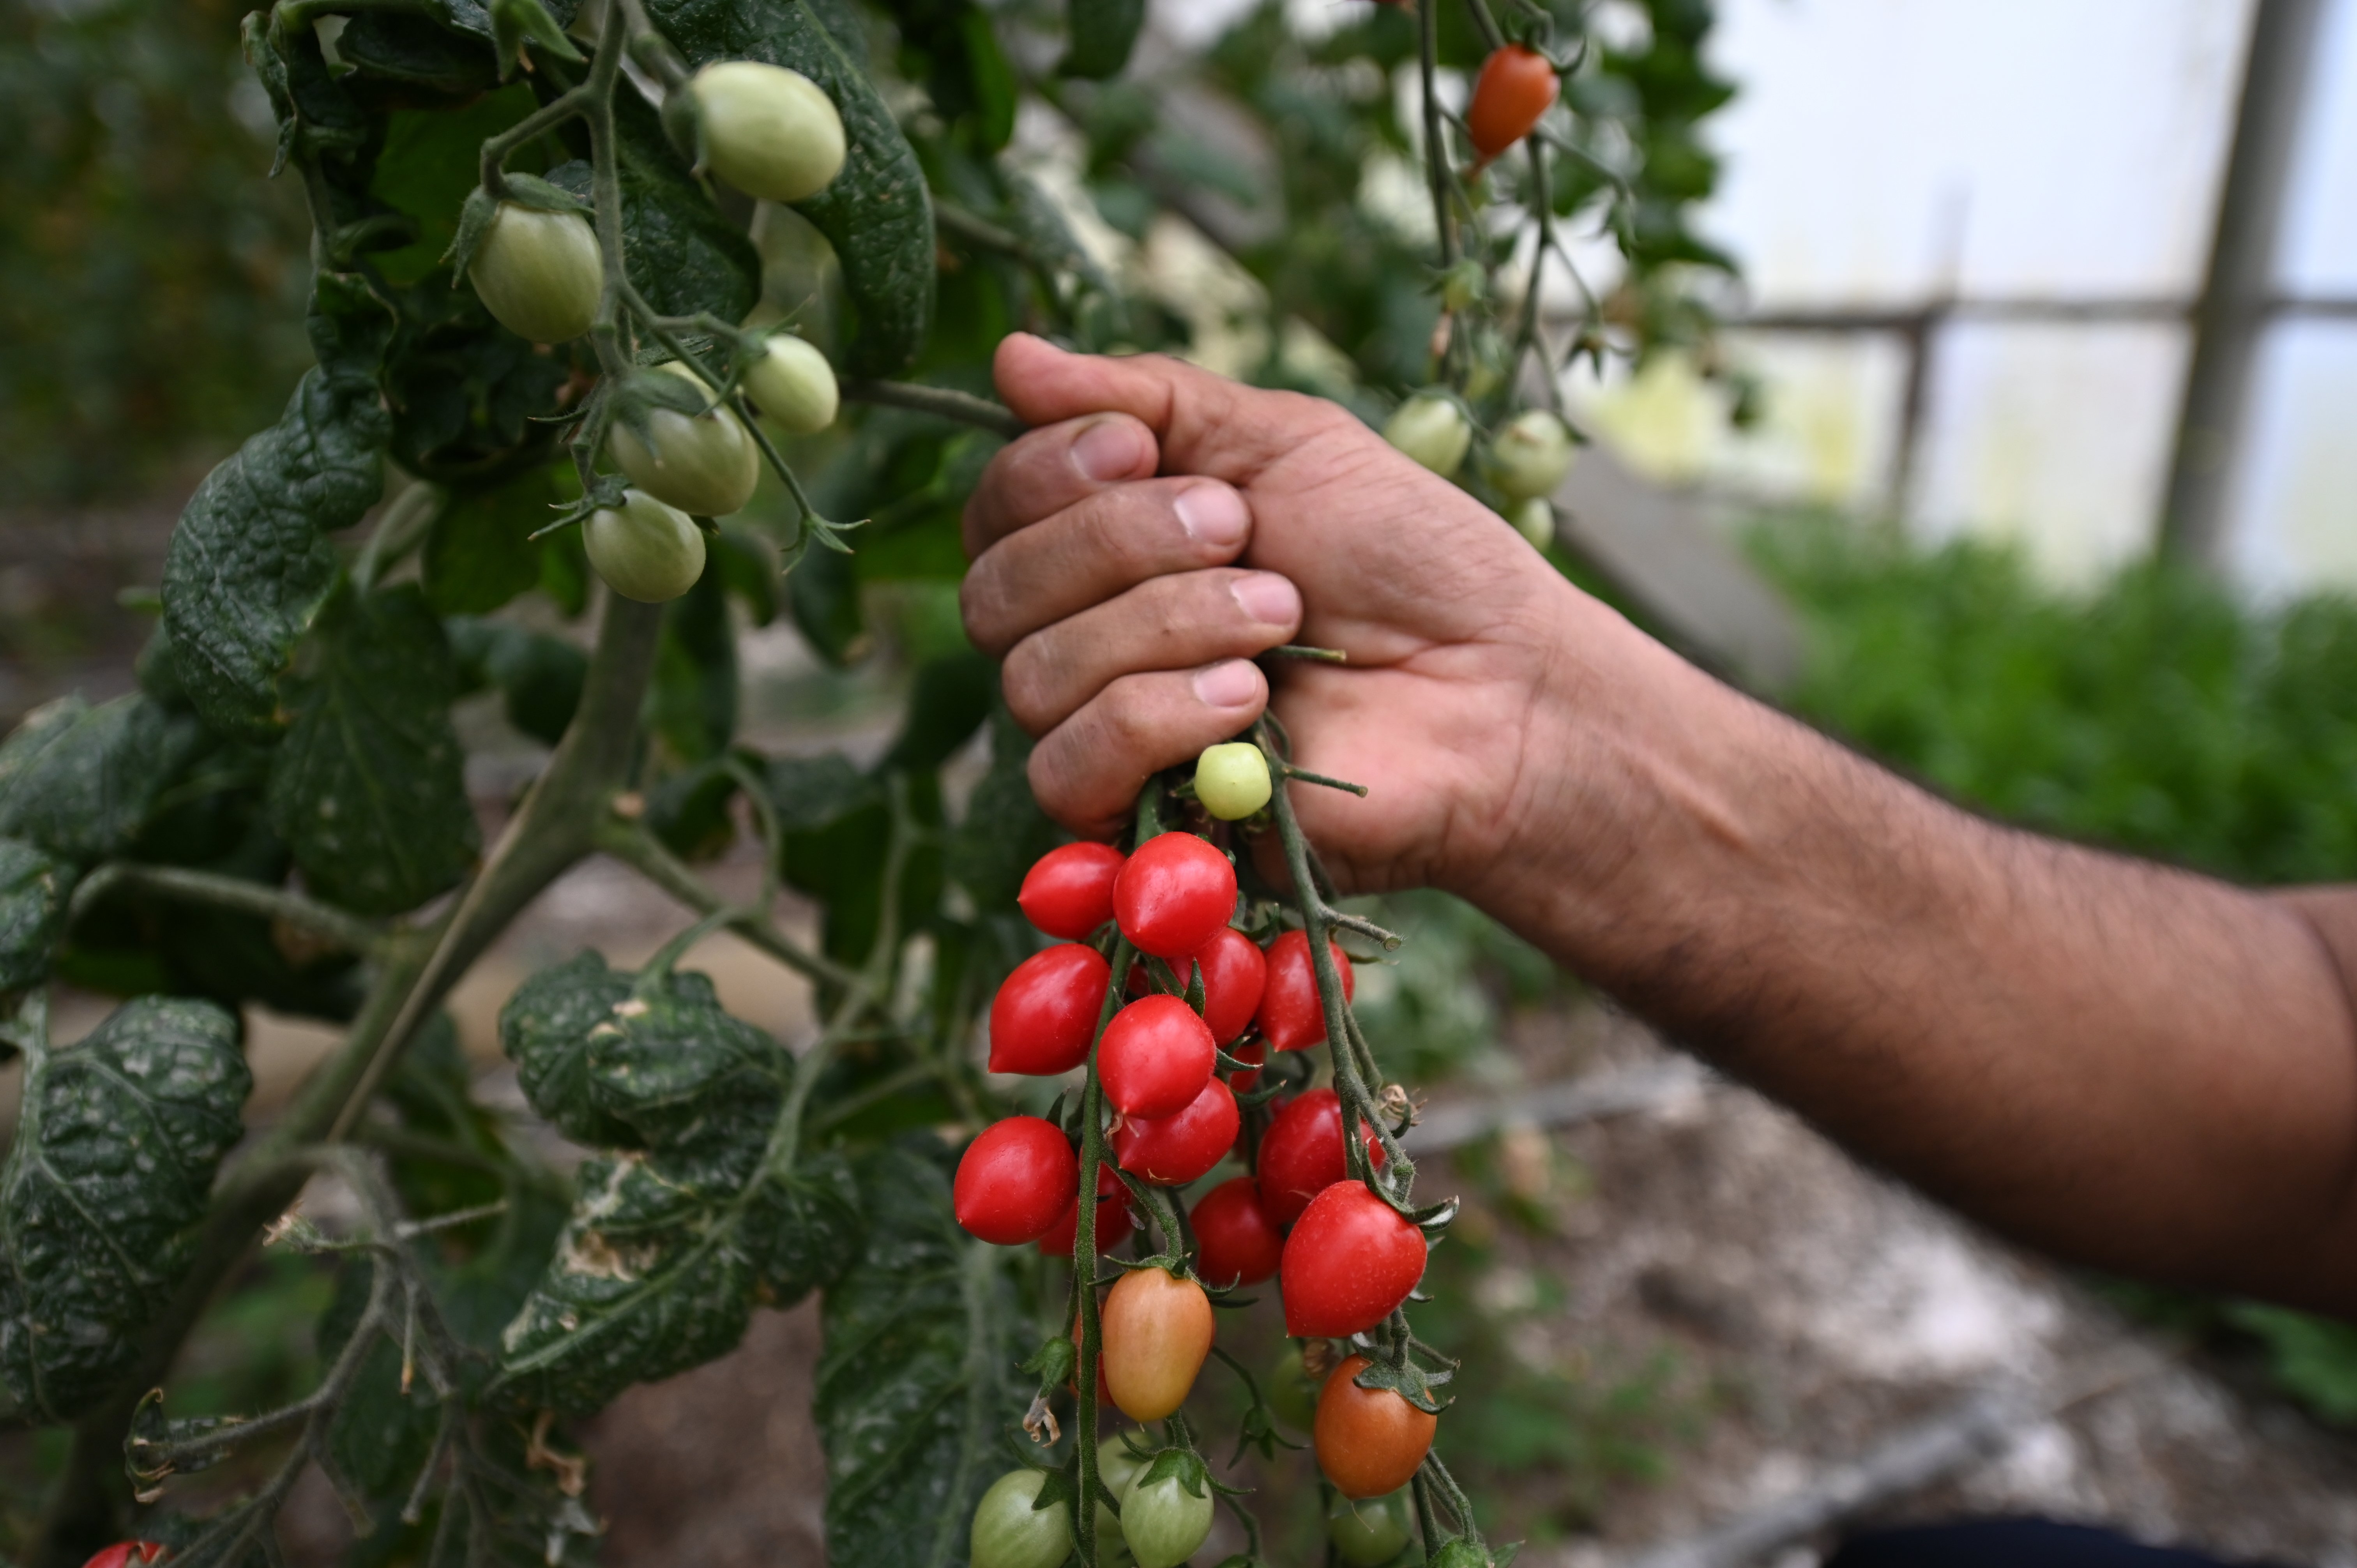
[(113, 1158), (804, 1229), (368, 789), (481, 553), (1005, 830), (544, 1029), (248, 568), (915, 1382), (878, 214), (78, 781), (814, 792), (1104, 33), (408, 49), (34, 887)]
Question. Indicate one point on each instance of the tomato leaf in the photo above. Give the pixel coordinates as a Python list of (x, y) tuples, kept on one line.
[(1103, 32), (1004, 830), (34, 887), (79, 782), (481, 553), (878, 214), (113, 1158), (676, 1236), (914, 1384), (539, 676), (368, 789), (693, 702), (247, 568)]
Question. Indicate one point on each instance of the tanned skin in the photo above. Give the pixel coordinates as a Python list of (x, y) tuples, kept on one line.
[(2123, 1064)]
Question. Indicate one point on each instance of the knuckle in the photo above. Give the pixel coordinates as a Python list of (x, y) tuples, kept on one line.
[(1026, 681), (981, 607)]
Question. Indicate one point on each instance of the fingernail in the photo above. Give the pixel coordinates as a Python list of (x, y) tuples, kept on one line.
[(1230, 684), (1106, 450), (1212, 515), (1268, 598)]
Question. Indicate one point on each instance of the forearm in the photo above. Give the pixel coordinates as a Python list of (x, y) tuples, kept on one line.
[(2127, 1064)]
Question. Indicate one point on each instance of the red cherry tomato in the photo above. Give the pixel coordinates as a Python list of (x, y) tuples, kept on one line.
[(1234, 974), (1516, 86), (129, 1554), (1255, 1052), (1301, 1153), (1067, 892), (1155, 1058), (1114, 1221), (1352, 1258), (1156, 1330), (1015, 1181), (1174, 895), (1044, 1017), (1236, 1241), (1171, 1151), (1370, 1442), (1289, 1013)]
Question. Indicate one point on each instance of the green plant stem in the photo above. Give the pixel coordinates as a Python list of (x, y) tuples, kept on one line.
[(946, 403), (346, 931), (635, 847), (1435, 147), (402, 529)]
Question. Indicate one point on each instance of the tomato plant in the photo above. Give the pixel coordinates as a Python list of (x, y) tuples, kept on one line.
[(279, 815)]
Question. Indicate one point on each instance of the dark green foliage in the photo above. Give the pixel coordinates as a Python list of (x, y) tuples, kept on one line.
[(539, 676), (693, 704), (33, 892), (248, 568), (1102, 34), (878, 214), (114, 1156), (369, 788), (1004, 830), (698, 1216), (78, 781), (915, 1382), (481, 553)]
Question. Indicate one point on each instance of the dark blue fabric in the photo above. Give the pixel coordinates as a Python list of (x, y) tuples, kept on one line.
[(2010, 1543)]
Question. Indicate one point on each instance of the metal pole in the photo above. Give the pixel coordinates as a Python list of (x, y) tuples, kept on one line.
[(2232, 310)]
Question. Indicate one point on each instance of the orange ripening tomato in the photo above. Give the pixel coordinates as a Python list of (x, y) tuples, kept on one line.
[(1368, 1441), (1517, 85), (1156, 1330)]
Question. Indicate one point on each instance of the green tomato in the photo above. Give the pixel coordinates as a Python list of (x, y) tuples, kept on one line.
[(1369, 1534), (1531, 456), (1008, 1533), (538, 273), (769, 132), (647, 552), (1292, 1391), (793, 386), (1432, 430), (1163, 1523), (703, 463), (1534, 519), (1116, 1468), (1231, 781)]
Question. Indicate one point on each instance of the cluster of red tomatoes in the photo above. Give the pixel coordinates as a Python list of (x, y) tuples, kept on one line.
[(1344, 1256)]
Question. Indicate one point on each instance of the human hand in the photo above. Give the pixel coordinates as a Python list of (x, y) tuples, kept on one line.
[(1161, 525)]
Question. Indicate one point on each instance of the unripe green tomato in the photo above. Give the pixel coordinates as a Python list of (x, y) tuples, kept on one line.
[(793, 386), (1534, 519), (1370, 1534), (1008, 1533), (1116, 1468), (647, 552), (705, 463), (1531, 454), (538, 273), (769, 132), (1163, 1523), (1231, 781), (1432, 431), (1292, 1391)]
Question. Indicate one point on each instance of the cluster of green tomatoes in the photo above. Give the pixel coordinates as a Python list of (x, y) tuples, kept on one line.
[(773, 133)]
